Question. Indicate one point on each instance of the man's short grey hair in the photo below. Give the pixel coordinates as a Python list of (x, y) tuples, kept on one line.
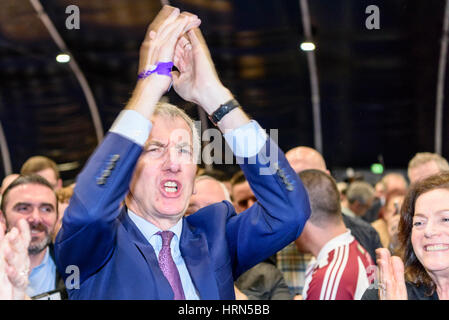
[(165, 109), (221, 184), (424, 157), (360, 191)]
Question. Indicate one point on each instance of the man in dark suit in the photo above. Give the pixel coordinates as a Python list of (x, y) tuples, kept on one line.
[(146, 249)]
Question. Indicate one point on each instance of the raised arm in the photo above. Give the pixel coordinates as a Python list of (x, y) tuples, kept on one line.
[(283, 206), (158, 47), (89, 226), (197, 80)]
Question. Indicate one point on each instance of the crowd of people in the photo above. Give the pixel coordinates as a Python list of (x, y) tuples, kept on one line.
[(143, 222)]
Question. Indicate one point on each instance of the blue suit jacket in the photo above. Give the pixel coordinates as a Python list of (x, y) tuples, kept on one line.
[(117, 262)]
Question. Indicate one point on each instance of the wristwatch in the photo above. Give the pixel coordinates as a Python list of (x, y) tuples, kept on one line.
[(223, 110)]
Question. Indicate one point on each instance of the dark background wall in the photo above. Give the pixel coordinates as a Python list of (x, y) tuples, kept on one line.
[(378, 87)]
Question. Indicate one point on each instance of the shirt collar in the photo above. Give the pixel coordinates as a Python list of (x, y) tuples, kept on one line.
[(44, 261), (148, 229), (342, 239), (42, 277)]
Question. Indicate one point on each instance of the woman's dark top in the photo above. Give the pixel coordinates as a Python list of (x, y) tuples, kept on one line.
[(414, 293)]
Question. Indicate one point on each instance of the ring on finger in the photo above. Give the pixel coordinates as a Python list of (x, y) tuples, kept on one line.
[(383, 290)]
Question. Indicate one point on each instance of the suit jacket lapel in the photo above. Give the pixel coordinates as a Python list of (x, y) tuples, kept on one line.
[(163, 287), (195, 252)]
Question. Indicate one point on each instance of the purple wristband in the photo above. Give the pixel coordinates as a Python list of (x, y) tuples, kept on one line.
[(162, 68)]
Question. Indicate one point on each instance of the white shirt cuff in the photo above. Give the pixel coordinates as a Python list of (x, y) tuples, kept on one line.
[(132, 125), (247, 140)]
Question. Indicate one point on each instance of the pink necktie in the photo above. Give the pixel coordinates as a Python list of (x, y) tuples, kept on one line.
[(168, 266)]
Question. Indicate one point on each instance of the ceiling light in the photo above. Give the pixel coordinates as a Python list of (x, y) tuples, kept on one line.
[(307, 46), (63, 58)]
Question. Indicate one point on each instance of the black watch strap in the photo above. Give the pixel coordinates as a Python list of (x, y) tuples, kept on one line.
[(223, 110)]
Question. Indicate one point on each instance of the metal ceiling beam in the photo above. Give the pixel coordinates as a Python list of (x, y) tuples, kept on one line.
[(314, 87), (440, 83), (73, 65), (6, 158)]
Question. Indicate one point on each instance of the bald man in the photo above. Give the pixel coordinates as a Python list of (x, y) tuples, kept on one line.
[(304, 158), (292, 262), (300, 159), (207, 191)]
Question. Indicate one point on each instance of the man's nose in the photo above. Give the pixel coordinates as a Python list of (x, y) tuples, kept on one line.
[(35, 215), (171, 161)]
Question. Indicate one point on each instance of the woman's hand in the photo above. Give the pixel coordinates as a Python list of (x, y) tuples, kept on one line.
[(391, 276)]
